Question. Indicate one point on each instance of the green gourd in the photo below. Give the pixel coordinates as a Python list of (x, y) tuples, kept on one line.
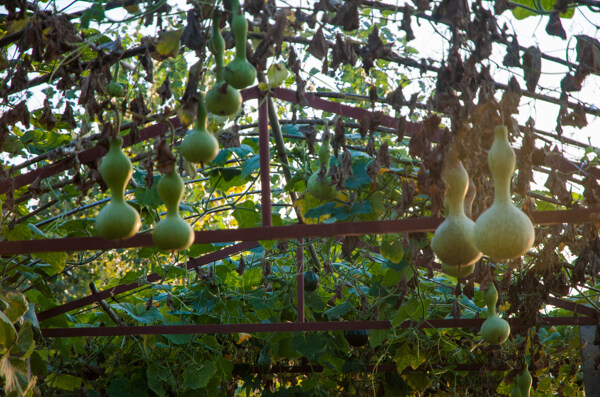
[(495, 330), (222, 99), (199, 145), (239, 73), (357, 337), (172, 233), (458, 271), (319, 183), (524, 381), (453, 239), (503, 231), (118, 220), (516, 392), (311, 281)]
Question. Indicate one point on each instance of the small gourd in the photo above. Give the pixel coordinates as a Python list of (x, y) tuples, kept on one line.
[(311, 281), (453, 239), (503, 231), (118, 220), (524, 381), (495, 330), (239, 73), (319, 183), (357, 337), (199, 145), (222, 99), (172, 233)]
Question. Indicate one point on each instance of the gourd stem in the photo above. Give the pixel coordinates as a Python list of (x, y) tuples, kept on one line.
[(218, 44), (201, 115)]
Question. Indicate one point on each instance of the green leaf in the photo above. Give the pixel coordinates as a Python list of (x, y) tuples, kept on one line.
[(338, 311), (8, 333), (17, 306), (68, 382), (147, 197), (391, 248), (406, 356), (25, 343), (413, 309), (360, 177), (377, 336), (250, 165), (247, 215), (194, 378), (57, 260)]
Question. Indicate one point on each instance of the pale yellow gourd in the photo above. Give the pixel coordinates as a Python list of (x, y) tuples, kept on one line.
[(453, 239), (503, 231)]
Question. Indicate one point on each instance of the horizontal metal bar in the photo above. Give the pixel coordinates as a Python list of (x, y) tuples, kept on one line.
[(289, 232), (370, 368), (572, 306), (154, 277), (288, 327)]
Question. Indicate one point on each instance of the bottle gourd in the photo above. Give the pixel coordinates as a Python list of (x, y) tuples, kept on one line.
[(172, 233), (495, 330), (319, 182), (222, 99), (118, 220), (503, 231), (239, 73), (199, 145), (524, 381), (453, 240)]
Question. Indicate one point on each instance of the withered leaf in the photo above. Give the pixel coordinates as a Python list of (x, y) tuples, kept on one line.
[(229, 138), (588, 54), (349, 244), (532, 67), (511, 98), (241, 266), (16, 114), (318, 46), (343, 53), (165, 160), (148, 65), (406, 20), (310, 133), (47, 119), (418, 145), (372, 50), (576, 118), (512, 53), (293, 62), (396, 98), (401, 129), (339, 137), (192, 36), (571, 83), (383, 156), (139, 108), (68, 117), (554, 27), (164, 91), (347, 16)]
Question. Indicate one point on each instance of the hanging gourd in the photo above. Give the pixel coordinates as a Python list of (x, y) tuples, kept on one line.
[(524, 381), (199, 145), (495, 330), (172, 233), (222, 99), (319, 183), (458, 271), (311, 281), (452, 241), (239, 73), (118, 220), (503, 231)]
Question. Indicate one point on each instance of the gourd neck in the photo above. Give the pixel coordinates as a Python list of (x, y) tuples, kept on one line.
[(240, 30), (201, 117), (218, 46), (490, 297), (324, 154), (457, 179), (501, 161)]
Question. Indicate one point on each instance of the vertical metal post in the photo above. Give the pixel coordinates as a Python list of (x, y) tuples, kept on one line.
[(589, 351), (265, 161), (300, 280)]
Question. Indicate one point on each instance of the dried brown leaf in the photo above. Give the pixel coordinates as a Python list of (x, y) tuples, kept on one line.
[(318, 46)]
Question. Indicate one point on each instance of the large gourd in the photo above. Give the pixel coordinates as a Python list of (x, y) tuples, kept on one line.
[(453, 239), (172, 233), (199, 145), (503, 231), (222, 99), (495, 330), (239, 73), (319, 183), (118, 220)]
